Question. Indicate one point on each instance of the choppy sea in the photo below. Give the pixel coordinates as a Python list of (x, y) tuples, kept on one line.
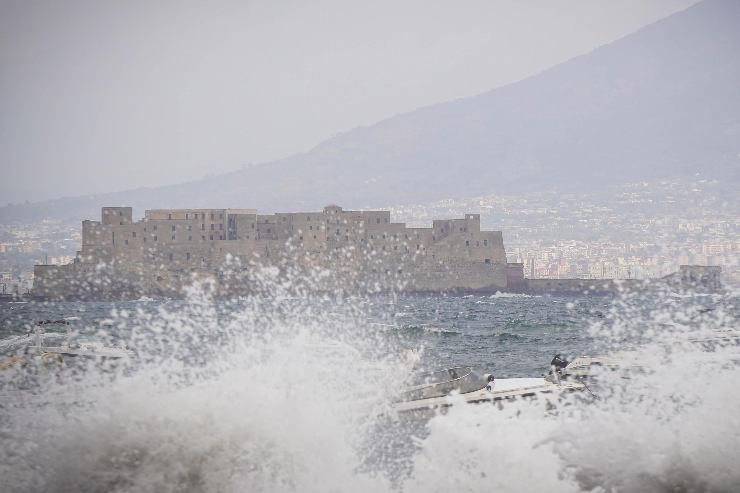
[(279, 393)]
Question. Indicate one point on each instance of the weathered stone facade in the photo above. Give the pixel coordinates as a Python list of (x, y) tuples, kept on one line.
[(169, 249)]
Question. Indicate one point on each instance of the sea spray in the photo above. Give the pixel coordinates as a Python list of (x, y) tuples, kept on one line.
[(269, 396), (293, 391), (665, 421)]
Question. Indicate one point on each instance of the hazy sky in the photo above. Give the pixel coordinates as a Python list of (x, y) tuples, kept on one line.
[(100, 96)]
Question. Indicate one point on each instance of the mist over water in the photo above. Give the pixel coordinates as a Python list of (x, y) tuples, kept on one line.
[(285, 393)]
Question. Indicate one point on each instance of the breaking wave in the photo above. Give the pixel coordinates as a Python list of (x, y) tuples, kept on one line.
[(499, 294), (297, 396)]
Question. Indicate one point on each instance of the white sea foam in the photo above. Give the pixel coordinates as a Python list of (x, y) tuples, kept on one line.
[(499, 294), (277, 397)]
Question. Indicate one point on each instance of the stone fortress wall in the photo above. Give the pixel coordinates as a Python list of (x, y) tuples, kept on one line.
[(169, 249)]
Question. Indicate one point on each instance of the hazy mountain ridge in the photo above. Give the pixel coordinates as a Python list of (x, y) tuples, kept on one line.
[(662, 102)]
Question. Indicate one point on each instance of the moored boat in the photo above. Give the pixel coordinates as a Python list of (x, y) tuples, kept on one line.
[(435, 389)]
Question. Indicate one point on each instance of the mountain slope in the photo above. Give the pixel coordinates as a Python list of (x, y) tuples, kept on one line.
[(660, 103)]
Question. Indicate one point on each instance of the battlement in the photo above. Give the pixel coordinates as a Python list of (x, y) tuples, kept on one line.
[(116, 215)]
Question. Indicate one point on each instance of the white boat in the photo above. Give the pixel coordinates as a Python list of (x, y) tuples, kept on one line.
[(433, 390), (56, 347)]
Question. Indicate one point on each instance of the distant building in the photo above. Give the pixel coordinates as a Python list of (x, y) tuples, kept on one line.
[(169, 249)]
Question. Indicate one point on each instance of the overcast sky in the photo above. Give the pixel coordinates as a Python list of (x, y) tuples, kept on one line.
[(100, 96)]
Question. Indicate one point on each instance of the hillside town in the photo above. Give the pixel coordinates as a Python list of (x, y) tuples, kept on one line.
[(639, 231)]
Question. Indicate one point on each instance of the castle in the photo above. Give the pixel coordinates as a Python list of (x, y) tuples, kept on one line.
[(169, 249)]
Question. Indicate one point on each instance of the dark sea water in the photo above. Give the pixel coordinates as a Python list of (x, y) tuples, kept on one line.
[(295, 394), (511, 335)]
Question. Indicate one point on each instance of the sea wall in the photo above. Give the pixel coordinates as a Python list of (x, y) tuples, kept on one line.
[(579, 286), (697, 278)]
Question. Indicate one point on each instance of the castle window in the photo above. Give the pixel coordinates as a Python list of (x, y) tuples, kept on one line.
[(155, 227), (144, 239), (187, 256), (125, 241), (202, 226), (211, 237), (195, 216), (487, 261), (133, 234), (377, 221), (190, 238), (346, 238), (314, 237), (395, 247), (310, 228), (187, 216), (221, 216), (268, 230), (211, 216), (203, 238), (467, 243), (190, 227), (155, 237), (386, 221), (171, 257), (169, 216), (213, 226), (417, 246), (173, 237), (173, 227), (485, 242), (120, 213), (461, 230), (121, 223), (221, 226), (308, 218)]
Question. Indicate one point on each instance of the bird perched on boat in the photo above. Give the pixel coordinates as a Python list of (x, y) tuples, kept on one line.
[(557, 365), (491, 382)]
